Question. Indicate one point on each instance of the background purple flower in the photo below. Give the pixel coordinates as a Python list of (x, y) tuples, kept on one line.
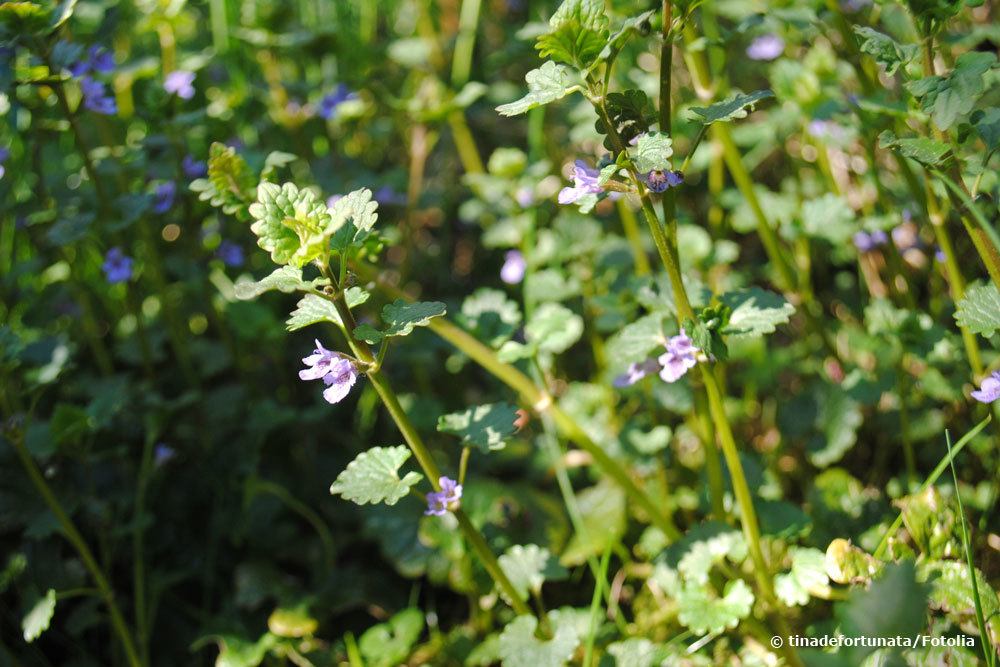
[(98, 59), (989, 390), (193, 168), (584, 183), (514, 266), (230, 253), (117, 266), (179, 82), (96, 97), (866, 242), (328, 105), (163, 196), (387, 196), (766, 47)]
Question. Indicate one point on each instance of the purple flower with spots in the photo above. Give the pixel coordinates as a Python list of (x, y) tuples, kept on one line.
[(679, 357), (866, 242), (584, 183), (514, 266), (989, 390), (180, 83), (117, 266), (440, 502), (660, 181), (337, 372), (96, 97), (766, 47), (328, 105), (230, 253), (194, 168), (637, 372), (163, 196)]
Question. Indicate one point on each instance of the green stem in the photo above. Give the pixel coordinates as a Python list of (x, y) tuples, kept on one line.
[(139, 552), (713, 471), (74, 537), (461, 63), (631, 228)]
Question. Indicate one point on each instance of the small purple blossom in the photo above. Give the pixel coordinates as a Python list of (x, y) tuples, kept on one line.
[(163, 196), (989, 390), (524, 197), (117, 266), (98, 59), (96, 97), (230, 253), (584, 183), (180, 82), (194, 168), (939, 255), (512, 271), (679, 357), (387, 196), (866, 242), (440, 502), (659, 181), (766, 47), (637, 372), (162, 454), (333, 199), (328, 105), (337, 372)]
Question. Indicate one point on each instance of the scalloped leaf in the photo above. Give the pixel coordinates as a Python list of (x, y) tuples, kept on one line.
[(634, 342), (519, 647), (37, 620), (373, 477), (926, 151), (312, 309), (979, 310), (292, 224), (490, 316), (389, 644), (229, 184), (702, 611), (548, 83), (578, 33), (528, 567), (652, 152), (401, 317), (553, 328), (886, 51), (285, 279), (755, 312), (807, 577), (485, 427), (730, 109)]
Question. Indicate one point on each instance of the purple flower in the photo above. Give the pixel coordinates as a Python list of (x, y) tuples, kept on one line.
[(524, 197), (659, 181), (333, 199), (439, 502), (163, 196), (679, 357), (117, 266), (939, 255), (328, 105), (98, 59), (989, 390), (766, 47), (866, 242), (387, 196), (584, 183), (337, 372), (512, 271), (96, 97), (230, 253), (637, 372), (179, 82), (162, 453), (194, 168)]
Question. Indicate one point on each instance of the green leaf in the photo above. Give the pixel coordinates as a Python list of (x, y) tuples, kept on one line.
[(519, 647), (807, 577), (373, 477), (949, 98), (987, 125), (829, 217), (653, 152), (389, 644), (292, 224), (229, 184), (837, 421), (401, 316), (635, 341), (952, 592), (528, 567), (636, 652), (553, 328), (237, 652), (485, 427), (355, 214), (292, 622), (700, 610), (631, 112), (602, 510), (886, 51), (730, 109), (284, 279), (630, 26), (578, 33), (924, 150), (548, 83), (979, 310), (38, 619), (313, 309), (755, 312), (17, 563), (490, 316)]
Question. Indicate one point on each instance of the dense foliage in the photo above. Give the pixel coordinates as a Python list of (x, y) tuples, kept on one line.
[(601, 332)]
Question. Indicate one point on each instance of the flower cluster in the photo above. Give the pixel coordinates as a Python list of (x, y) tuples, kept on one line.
[(96, 97), (117, 266), (448, 498), (681, 355), (337, 372), (989, 390)]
